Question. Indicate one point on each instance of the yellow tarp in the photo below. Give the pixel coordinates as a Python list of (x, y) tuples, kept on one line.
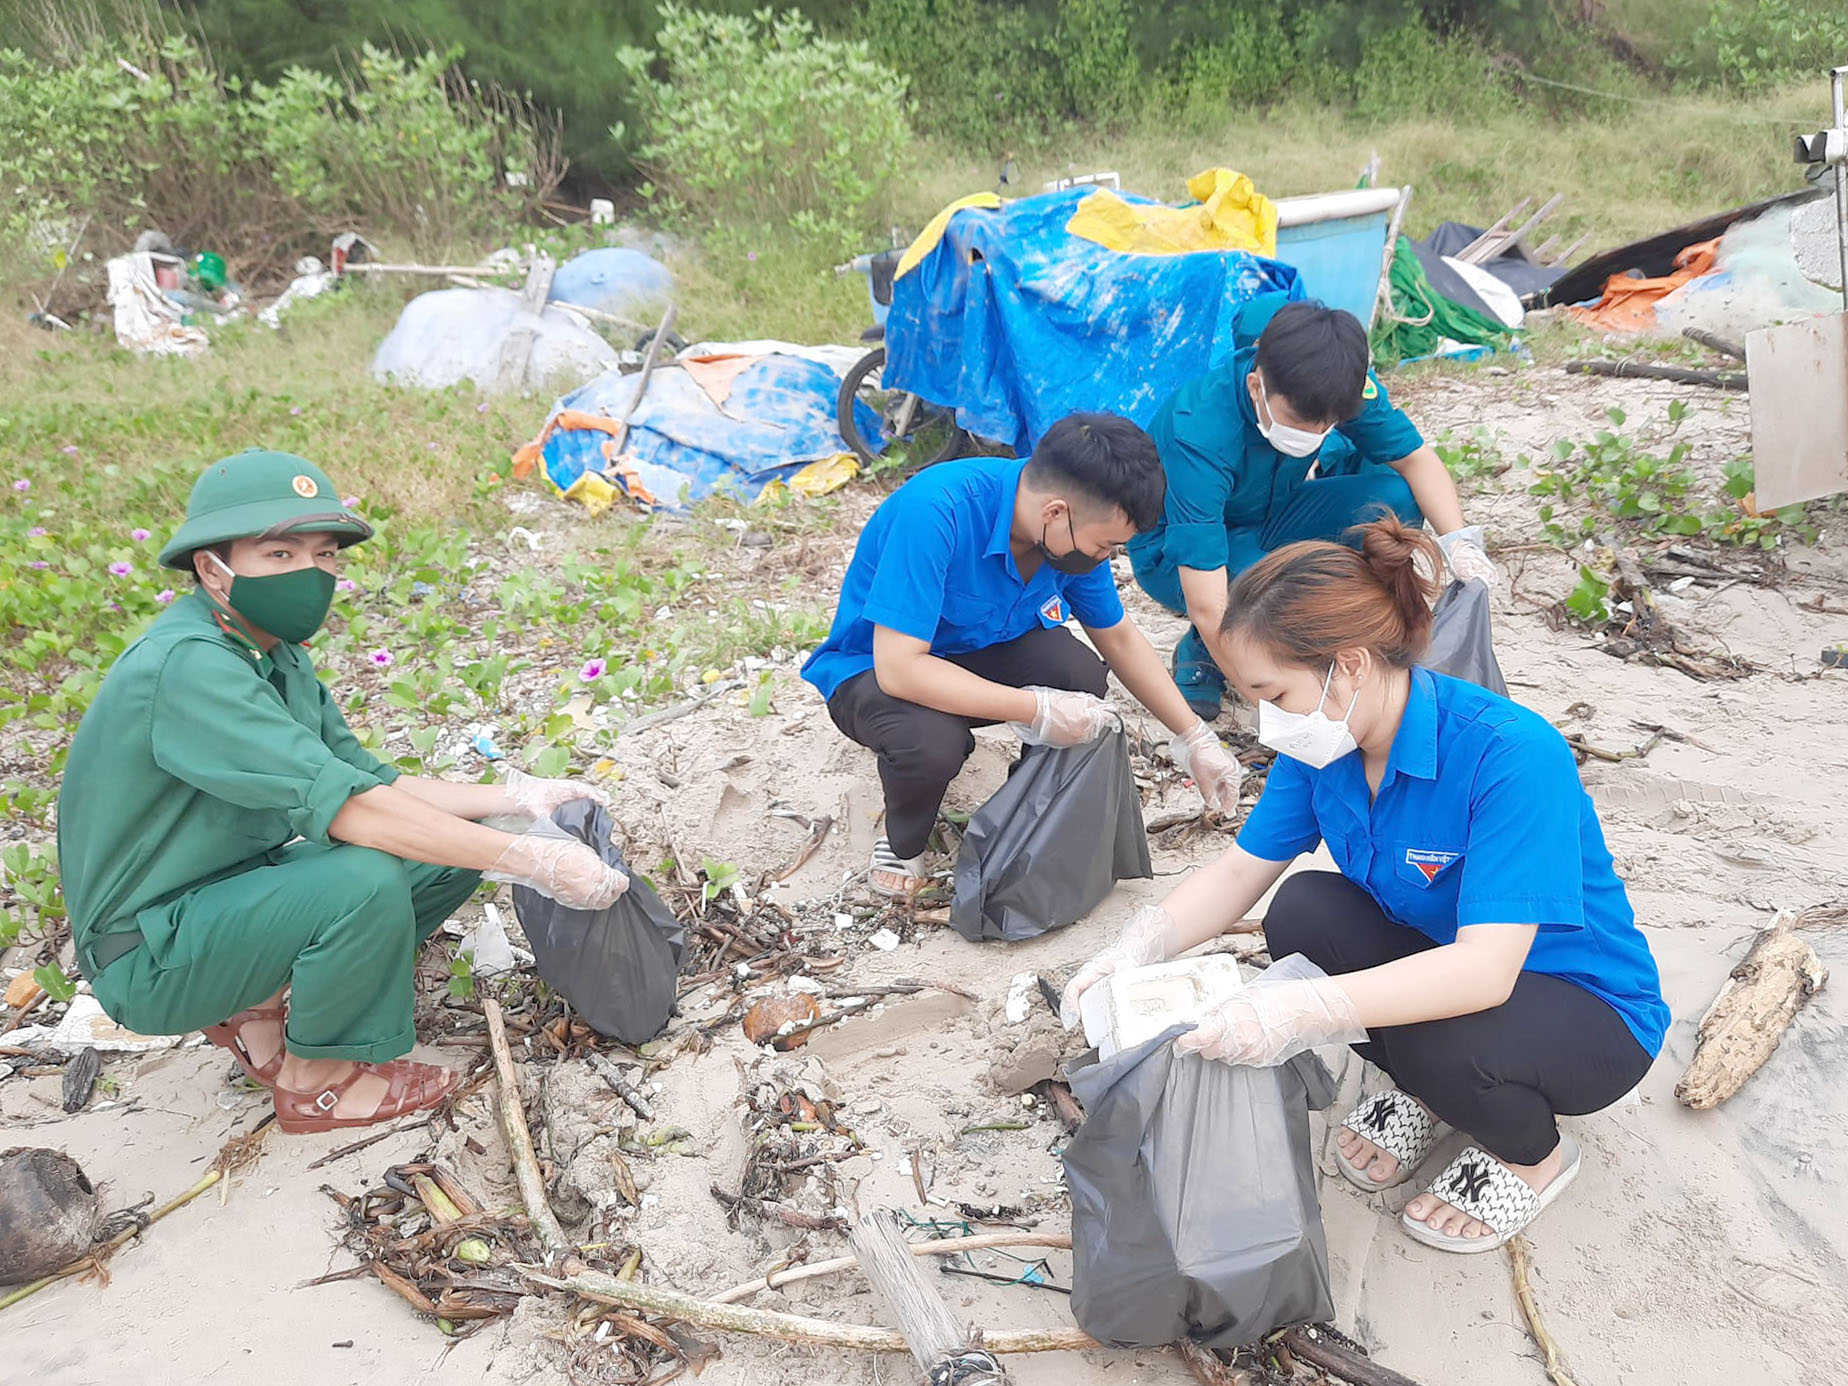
[(933, 232), (1230, 214)]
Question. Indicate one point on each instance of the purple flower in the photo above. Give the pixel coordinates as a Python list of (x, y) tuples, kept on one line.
[(482, 408), (431, 446), (22, 485), (295, 409), (593, 670), (751, 255), (350, 503), (70, 449), (121, 569), (346, 585), (164, 596), (381, 659), (139, 535), (36, 532), (40, 563)]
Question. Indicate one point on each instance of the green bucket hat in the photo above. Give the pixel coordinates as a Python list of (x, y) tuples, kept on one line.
[(260, 492)]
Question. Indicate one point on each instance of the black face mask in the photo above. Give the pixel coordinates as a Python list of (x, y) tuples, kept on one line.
[(1071, 562)]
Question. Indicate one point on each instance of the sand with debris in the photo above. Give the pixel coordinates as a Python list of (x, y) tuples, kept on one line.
[(1696, 1247)]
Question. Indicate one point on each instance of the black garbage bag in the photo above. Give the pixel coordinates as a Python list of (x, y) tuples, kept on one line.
[(1461, 644), (618, 967), (1050, 844), (1194, 1210)]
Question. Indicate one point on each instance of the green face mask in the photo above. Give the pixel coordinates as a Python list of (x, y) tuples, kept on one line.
[(290, 606)]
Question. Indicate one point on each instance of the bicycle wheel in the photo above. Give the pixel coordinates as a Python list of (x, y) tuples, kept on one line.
[(912, 432)]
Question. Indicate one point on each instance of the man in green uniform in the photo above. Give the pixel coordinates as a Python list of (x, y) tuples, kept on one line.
[(225, 840)]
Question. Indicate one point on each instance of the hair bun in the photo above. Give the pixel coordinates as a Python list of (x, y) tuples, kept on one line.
[(1392, 549)]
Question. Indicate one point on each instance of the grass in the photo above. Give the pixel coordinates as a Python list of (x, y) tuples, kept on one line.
[(443, 628)]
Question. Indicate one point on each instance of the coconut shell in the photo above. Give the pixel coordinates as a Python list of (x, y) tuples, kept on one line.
[(48, 1213)]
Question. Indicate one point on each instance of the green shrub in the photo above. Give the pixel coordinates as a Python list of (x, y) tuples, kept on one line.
[(1751, 46), (983, 76), (1098, 60), (757, 120), (146, 132), (1409, 70)]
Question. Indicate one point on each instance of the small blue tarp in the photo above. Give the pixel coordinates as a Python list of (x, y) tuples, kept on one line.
[(612, 279), (778, 417), (1015, 323)]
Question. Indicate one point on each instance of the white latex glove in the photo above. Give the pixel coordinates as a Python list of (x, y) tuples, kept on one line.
[(1066, 718), (536, 798), (1467, 558), (1291, 1007), (562, 868), (1144, 941), (1215, 770)]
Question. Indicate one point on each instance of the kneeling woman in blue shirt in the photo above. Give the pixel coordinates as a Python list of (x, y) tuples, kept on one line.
[(1476, 943)]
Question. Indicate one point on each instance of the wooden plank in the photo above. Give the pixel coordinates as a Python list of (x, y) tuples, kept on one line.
[(1799, 375), (1486, 248), (1382, 293), (940, 1344), (517, 349), (1494, 229)]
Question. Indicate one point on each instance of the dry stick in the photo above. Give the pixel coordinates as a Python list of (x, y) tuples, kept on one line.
[(621, 439), (1741, 1030), (788, 1328), (1207, 1369), (623, 1088), (520, 1140), (236, 1152), (1714, 342), (1724, 380), (1342, 1362), (941, 1246), (935, 1336), (1530, 1309), (365, 1141)]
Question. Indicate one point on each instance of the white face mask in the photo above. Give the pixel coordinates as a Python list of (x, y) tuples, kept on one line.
[(1291, 442), (1309, 737)]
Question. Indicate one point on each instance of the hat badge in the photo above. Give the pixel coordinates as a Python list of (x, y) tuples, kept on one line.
[(305, 487)]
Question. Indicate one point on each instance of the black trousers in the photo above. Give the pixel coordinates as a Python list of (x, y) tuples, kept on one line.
[(1501, 1075), (920, 749)]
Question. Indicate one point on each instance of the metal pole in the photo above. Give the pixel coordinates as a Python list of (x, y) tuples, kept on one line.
[(1838, 89)]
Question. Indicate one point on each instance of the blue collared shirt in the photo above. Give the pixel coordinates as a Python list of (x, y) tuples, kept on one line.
[(934, 563), (1480, 818)]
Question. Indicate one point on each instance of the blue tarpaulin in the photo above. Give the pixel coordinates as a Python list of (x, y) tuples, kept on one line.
[(777, 416), (1015, 323)]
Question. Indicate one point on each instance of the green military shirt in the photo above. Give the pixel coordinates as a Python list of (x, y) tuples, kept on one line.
[(199, 758)]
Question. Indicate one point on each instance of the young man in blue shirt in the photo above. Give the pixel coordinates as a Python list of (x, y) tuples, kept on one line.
[(953, 615), (1291, 438)]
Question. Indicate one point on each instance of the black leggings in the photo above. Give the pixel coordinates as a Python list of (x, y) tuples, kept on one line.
[(921, 749), (1499, 1075)]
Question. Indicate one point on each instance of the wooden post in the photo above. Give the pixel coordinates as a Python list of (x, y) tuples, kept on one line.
[(943, 1348), (1383, 295), (1747, 1019), (621, 439), (517, 349)]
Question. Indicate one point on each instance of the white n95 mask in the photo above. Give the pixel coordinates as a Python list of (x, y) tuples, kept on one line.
[(1291, 442), (1309, 737)]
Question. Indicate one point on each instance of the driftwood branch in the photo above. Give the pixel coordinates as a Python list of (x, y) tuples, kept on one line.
[(1208, 1370), (1749, 1016), (942, 1346), (1723, 380), (520, 1140), (1530, 1310), (788, 1328), (941, 1246), (1341, 1361)]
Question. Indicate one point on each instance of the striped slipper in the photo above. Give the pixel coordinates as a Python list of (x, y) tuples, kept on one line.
[(905, 876), (1398, 1125), (1480, 1185)]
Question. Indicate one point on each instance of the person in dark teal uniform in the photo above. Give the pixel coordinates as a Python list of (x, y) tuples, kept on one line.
[(1291, 438)]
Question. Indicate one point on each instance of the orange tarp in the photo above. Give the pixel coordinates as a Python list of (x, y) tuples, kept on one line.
[(1629, 305)]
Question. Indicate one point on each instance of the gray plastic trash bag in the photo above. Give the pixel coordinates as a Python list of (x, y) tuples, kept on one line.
[(1050, 844), (1461, 645), (618, 967), (1194, 1210)]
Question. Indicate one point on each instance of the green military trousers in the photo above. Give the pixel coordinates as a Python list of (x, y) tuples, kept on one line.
[(339, 925)]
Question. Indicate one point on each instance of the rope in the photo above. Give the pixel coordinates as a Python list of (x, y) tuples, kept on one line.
[(1667, 105)]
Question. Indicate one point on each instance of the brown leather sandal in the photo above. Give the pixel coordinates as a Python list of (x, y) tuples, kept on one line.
[(229, 1035), (413, 1087)]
